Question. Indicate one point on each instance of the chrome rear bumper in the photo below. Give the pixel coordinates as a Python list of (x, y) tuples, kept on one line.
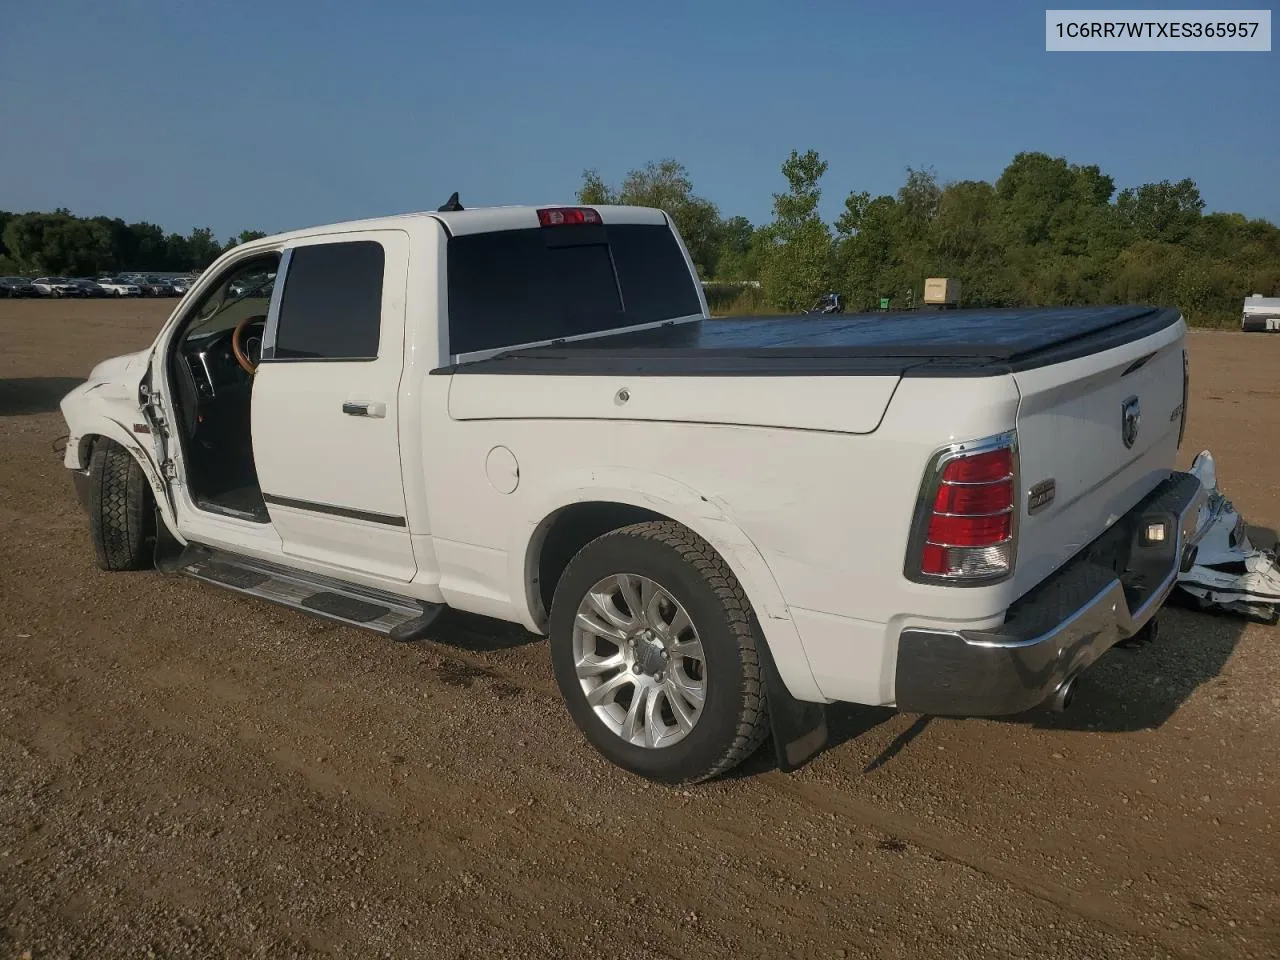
[(1107, 593)]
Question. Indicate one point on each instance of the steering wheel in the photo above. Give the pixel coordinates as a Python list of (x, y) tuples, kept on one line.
[(237, 348)]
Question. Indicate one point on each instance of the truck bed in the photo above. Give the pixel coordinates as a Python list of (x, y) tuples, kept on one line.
[(947, 343)]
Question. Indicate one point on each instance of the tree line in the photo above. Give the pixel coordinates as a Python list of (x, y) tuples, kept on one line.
[(60, 243), (1045, 233)]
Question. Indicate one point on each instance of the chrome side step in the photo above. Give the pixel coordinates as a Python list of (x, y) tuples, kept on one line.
[(401, 618)]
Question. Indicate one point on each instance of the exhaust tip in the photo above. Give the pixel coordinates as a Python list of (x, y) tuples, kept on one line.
[(1063, 696)]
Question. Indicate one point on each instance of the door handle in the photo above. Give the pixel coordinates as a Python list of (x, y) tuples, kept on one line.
[(364, 408)]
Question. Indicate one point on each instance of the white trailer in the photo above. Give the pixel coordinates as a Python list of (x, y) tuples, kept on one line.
[(1261, 314)]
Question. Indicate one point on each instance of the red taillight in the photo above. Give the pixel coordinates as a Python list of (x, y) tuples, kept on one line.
[(562, 216), (968, 530), (973, 498), (980, 468), (964, 531)]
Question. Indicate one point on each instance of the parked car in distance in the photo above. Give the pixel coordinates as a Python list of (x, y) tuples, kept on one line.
[(149, 286), (181, 284), (157, 287), (119, 288), (91, 288), (57, 287), (17, 287), (259, 285)]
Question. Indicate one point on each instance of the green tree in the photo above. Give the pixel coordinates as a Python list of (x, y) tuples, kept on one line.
[(24, 240), (966, 243), (244, 236), (1161, 211), (868, 253), (147, 243), (61, 243), (5, 217), (1043, 198), (919, 198), (797, 263), (202, 248), (737, 259), (665, 185), (177, 252), (1046, 232), (594, 190)]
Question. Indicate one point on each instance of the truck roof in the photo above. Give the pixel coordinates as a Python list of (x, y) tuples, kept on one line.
[(470, 220)]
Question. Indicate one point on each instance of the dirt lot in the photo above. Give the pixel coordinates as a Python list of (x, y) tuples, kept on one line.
[(184, 772)]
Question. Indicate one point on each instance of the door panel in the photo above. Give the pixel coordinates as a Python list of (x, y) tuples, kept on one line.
[(325, 404)]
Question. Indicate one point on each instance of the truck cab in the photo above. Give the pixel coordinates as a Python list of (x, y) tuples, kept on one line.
[(280, 403)]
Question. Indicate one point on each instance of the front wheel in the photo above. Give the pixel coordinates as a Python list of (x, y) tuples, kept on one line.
[(121, 509), (655, 650)]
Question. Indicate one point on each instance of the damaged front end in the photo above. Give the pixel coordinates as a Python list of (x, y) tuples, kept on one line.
[(1230, 574)]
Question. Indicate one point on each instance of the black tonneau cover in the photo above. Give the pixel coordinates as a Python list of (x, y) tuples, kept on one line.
[(950, 343)]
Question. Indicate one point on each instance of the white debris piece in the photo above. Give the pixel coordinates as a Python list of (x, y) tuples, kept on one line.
[(1230, 574)]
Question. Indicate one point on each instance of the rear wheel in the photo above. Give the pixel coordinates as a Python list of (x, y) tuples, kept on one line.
[(655, 650), (121, 509)]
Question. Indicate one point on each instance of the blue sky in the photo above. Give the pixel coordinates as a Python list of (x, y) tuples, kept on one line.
[(278, 115)]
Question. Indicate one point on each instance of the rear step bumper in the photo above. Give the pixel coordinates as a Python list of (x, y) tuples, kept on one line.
[(1063, 625)]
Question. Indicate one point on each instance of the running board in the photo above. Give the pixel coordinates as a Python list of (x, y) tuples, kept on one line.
[(401, 618)]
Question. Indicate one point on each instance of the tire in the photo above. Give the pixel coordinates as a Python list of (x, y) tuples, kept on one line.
[(733, 720), (121, 509)]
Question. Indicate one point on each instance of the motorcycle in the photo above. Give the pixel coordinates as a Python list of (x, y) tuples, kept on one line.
[(829, 303)]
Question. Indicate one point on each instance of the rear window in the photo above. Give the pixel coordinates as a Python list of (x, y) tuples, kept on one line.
[(520, 286)]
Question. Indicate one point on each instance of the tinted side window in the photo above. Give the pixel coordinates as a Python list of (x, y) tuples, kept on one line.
[(519, 286), (332, 303)]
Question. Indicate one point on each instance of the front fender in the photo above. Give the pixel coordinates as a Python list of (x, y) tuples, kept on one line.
[(79, 444), (708, 519)]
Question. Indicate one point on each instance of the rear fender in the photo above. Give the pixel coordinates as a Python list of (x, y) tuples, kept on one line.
[(705, 517)]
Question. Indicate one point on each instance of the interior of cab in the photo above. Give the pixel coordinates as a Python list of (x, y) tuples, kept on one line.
[(212, 369)]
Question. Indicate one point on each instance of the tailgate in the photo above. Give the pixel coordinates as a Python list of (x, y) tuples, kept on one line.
[(1099, 432)]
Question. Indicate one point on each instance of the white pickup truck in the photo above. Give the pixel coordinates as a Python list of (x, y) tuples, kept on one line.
[(721, 524)]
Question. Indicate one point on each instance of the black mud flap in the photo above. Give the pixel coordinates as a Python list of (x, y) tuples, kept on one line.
[(799, 728), (168, 548)]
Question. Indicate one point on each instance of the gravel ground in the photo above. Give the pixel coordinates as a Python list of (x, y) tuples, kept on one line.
[(188, 773)]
